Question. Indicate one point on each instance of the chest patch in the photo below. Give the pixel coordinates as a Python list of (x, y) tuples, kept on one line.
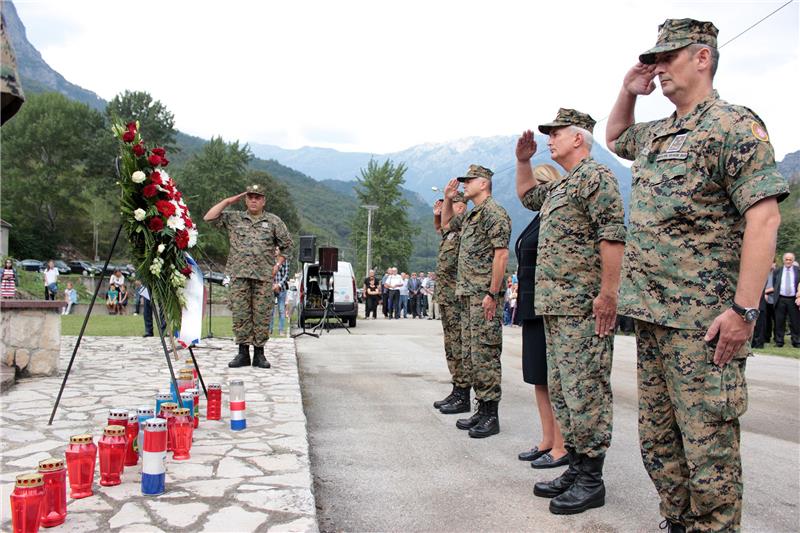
[(669, 156), (265, 225), (677, 142)]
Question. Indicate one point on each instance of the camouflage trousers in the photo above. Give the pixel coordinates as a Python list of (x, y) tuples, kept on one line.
[(251, 306), (579, 379), (482, 344), (460, 367), (689, 411)]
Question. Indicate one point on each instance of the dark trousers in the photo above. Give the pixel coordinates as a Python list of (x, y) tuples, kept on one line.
[(413, 300), (394, 303), (372, 306), (423, 304), (786, 309), (148, 318), (760, 335), (385, 303)]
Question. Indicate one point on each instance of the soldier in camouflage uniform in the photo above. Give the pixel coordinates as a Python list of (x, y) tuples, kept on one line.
[(450, 308), (252, 265), (10, 86), (482, 259), (581, 240), (703, 223)]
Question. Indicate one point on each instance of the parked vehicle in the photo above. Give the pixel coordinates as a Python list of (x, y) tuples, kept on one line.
[(84, 268), (337, 290), (214, 277), (32, 265), (62, 267)]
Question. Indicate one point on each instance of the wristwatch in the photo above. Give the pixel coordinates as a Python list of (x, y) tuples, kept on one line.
[(491, 294), (748, 314)]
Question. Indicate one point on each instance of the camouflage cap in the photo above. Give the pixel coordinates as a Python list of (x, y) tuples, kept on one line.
[(569, 117), (476, 171), (459, 197), (255, 189), (675, 34)]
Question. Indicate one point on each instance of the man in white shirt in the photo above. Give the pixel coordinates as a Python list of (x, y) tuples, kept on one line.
[(787, 300), (393, 284)]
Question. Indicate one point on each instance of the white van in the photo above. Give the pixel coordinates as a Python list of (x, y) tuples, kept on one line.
[(316, 286)]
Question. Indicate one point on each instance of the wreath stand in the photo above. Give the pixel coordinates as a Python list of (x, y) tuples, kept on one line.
[(161, 333)]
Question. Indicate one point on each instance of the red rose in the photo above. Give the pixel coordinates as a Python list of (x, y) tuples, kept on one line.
[(155, 224), (138, 149), (131, 126), (186, 271), (178, 195), (129, 136), (155, 177), (154, 160), (165, 208), (182, 239), (188, 222), (164, 161), (160, 152), (149, 191)]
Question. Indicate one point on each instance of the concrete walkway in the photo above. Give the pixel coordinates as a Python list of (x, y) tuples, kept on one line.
[(254, 480)]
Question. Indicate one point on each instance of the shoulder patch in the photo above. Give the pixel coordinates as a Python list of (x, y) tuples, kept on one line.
[(759, 132)]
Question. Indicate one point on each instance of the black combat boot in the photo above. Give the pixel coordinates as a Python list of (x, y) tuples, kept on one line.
[(559, 485), (259, 360), (587, 492), (243, 358), (447, 399), (489, 424), (466, 423), (459, 403)]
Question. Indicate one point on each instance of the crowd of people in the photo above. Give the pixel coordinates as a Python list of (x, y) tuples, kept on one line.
[(400, 295), (688, 270)]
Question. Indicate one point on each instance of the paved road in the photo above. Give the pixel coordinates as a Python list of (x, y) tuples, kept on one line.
[(383, 459)]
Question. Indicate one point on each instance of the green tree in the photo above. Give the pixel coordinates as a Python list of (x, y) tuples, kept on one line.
[(55, 153), (789, 232), (156, 122), (391, 230)]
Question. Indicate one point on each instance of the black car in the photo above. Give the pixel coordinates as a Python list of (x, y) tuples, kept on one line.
[(62, 267), (84, 268)]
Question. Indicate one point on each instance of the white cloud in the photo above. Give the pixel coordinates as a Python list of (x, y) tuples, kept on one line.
[(379, 77)]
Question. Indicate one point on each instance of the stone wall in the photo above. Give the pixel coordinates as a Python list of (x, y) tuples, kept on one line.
[(30, 336)]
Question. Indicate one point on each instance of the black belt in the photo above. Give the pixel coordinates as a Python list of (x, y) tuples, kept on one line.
[(788, 297)]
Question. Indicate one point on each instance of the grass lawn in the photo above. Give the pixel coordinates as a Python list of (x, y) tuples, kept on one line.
[(133, 326), (32, 283), (785, 351)]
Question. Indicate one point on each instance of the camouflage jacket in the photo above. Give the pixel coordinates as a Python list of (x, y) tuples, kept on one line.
[(10, 84), (577, 212), (485, 227), (447, 260), (253, 241), (693, 179)]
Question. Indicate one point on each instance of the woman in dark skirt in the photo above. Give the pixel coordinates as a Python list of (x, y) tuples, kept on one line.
[(549, 452)]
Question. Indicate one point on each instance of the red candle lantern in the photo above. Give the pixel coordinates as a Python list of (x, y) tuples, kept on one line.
[(180, 433), (117, 417), (54, 507), (167, 410), (214, 404), (112, 455), (131, 436), (195, 406), (81, 456), (26, 503)]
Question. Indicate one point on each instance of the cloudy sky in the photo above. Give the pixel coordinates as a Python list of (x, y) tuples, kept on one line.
[(383, 76)]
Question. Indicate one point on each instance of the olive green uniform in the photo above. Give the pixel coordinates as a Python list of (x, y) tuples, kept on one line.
[(250, 261), (485, 228), (694, 177), (578, 211)]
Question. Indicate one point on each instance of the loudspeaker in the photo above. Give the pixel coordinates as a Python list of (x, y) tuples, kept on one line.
[(328, 259), (308, 248)]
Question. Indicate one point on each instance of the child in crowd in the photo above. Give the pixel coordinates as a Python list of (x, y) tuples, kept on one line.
[(112, 296), (71, 297)]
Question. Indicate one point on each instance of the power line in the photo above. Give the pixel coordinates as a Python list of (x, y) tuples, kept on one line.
[(509, 167)]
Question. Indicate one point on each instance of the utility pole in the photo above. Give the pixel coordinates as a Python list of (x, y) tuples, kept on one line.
[(370, 208)]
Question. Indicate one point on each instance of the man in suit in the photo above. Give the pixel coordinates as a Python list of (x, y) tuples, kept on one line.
[(787, 300)]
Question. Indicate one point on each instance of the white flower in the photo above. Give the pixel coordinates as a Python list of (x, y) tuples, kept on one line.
[(138, 177), (175, 222), (161, 248), (192, 237), (139, 214)]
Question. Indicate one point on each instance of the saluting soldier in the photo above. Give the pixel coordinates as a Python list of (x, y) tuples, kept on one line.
[(450, 307), (702, 230), (482, 259), (252, 265), (581, 240)]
